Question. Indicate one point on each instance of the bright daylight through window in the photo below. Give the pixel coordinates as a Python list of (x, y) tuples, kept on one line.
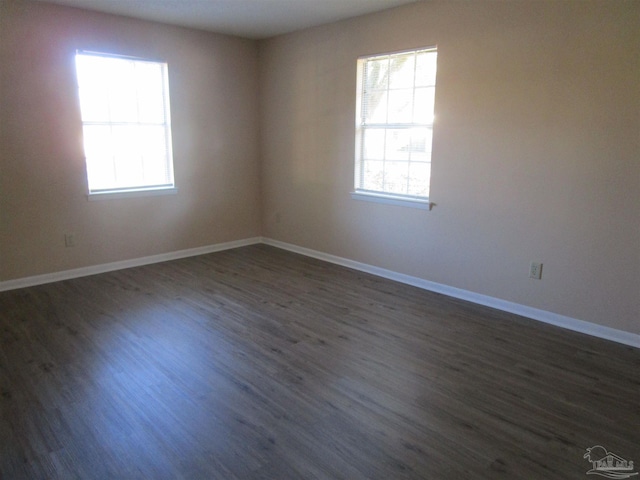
[(124, 104), (394, 125)]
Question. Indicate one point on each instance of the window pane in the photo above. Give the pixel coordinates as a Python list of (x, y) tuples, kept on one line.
[(94, 102), (396, 98), (400, 106), (376, 74), (373, 146), (375, 107), (150, 91), (419, 177), (122, 93), (97, 141), (93, 81), (128, 156), (154, 152), (424, 98), (99, 155), (396, 175), (402, 71), (420, 144), (127, 137), (398, 144), (140, 158), (373, 175), (426, 67)]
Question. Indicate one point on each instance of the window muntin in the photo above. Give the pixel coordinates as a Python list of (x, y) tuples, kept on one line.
[(394, 124), (124, 103)]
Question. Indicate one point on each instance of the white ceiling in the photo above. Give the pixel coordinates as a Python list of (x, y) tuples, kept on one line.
[(245, 18)]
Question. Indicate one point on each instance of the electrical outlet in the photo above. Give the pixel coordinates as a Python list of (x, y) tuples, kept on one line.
[(535, 270), (69, 240)]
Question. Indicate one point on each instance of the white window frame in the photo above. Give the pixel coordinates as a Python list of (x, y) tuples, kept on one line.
[(381, 195), (162, 162)]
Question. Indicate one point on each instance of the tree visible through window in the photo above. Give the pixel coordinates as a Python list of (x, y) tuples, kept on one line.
[(394, 124), (124, 104)]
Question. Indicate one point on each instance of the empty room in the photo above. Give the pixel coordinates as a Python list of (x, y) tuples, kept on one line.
[(319, 239)]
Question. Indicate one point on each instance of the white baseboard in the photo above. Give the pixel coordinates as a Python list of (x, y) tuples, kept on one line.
[(134, 262), (593, 329)]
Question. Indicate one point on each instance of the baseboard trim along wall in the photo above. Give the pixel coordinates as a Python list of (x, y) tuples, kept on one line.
[(134, 262), (593, 329)]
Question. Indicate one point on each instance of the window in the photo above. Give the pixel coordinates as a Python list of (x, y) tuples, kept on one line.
[(124, 104), (394, 126)]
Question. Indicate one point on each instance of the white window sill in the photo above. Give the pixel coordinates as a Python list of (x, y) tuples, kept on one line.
[(148, 192), (422, 204)]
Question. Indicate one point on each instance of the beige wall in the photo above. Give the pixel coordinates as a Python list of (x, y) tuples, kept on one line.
[(536, 151), (213, 80), (536, 148)]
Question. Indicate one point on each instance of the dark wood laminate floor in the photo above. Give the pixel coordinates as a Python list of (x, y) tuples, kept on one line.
[(256, 363)]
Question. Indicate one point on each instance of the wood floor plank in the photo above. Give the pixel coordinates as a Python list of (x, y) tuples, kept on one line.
[(256, 363)]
